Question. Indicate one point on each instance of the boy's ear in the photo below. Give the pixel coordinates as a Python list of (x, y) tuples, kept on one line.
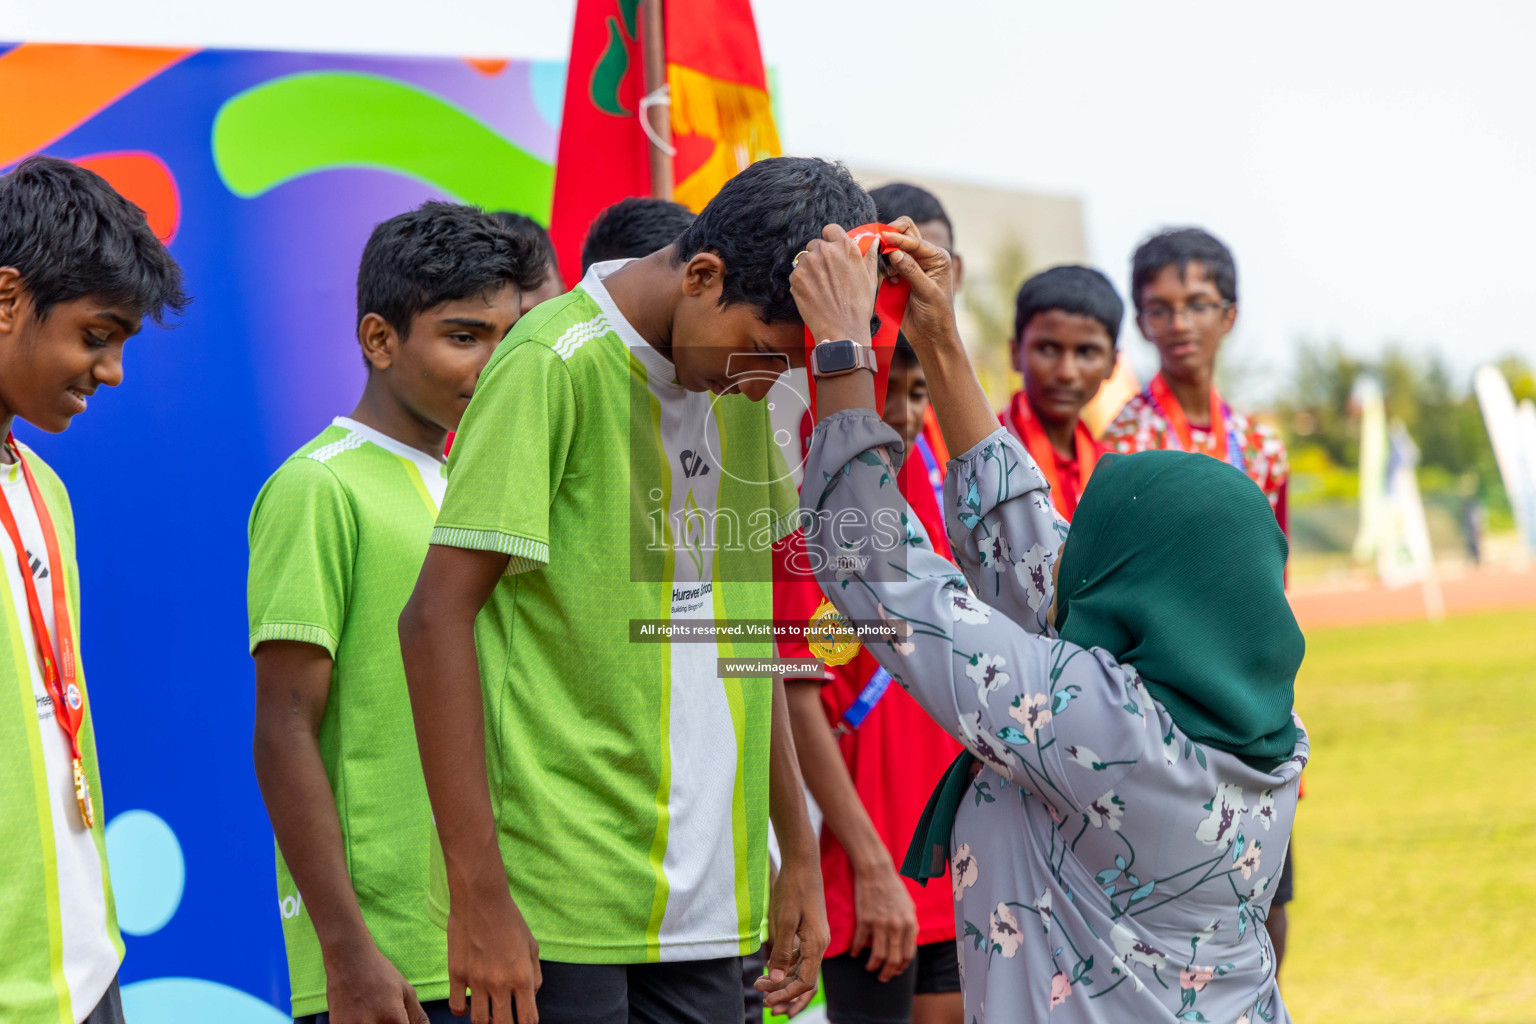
[(13, 296), (956, 270), (703, 271), (378, 340)]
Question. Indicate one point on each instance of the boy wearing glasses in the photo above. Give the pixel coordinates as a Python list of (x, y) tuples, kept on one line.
[(1184, 286)]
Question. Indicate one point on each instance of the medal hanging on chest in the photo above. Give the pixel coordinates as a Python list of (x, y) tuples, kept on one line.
[(59, 673)]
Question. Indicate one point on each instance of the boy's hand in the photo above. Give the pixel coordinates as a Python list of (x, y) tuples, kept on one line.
[(363, 987), (928, 269), (885, 920), (796, 1005), (834, 286), (797, 932), (492, 953)]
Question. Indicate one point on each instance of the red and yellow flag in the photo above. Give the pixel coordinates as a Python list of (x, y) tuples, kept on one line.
[(721, 117)]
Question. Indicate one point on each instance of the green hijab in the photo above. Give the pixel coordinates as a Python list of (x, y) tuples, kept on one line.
[(1175, 565)]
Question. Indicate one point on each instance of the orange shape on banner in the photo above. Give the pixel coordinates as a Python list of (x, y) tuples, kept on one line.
[(66, 86), (145, 181), (489, 66)]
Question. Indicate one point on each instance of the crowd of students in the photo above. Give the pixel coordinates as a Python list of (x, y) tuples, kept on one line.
[(489, 798)]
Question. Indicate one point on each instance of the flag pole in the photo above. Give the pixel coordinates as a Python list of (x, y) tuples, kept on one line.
[(657, 110)]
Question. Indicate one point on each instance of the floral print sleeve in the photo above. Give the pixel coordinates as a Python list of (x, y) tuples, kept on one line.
[(1104, 867), (1057, 720), (1004, 528)]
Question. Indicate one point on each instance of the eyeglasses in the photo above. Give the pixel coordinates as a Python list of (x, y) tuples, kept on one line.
[(1199, 312)]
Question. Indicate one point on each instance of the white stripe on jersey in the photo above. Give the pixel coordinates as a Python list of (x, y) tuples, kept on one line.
[(325, 453), (578, 335), (700, 857)]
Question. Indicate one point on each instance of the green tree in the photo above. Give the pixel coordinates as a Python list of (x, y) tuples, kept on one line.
[(1437, 406), (1314, 407)]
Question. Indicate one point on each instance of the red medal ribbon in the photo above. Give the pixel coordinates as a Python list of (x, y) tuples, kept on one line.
[(60, 676), (1173, 412), (1021, 420), (890, 307)]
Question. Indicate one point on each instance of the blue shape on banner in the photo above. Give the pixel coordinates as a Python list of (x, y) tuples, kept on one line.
[(546, 78), (148, 871), (195, 1001)]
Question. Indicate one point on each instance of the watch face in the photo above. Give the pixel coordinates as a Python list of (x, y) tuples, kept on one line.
[(835, 357)]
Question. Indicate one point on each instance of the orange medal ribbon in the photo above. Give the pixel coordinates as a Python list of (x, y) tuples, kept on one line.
[(1021, 419), (890, 307), (1173, 412), (60, 676)]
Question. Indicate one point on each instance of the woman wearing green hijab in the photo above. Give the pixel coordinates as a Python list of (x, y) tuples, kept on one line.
[(1133, 757)]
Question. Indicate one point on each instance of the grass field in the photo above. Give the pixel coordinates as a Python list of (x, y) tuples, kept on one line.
[(1416, 844)]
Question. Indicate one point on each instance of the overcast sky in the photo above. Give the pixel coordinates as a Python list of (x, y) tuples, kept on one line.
[(1371, 164)]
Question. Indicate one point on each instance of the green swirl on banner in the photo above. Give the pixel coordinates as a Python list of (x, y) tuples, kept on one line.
[(324, 120)]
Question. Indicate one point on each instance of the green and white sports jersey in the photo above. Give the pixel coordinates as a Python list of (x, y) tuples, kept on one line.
[(59, 943), (338, 535), (630, 782)]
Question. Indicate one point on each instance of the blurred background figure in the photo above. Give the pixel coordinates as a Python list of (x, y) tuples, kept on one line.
[(634, 227), (526, 227)]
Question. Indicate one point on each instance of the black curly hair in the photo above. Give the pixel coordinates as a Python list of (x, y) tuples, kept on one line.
[(763, 217), (69, 234), (437, 253)]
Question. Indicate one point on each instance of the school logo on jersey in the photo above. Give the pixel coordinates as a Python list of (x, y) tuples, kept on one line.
[(72, 697), (693, 464)]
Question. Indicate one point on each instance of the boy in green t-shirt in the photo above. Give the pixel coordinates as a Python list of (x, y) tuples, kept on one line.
[(337, 537), (603, 804), (80, 269)]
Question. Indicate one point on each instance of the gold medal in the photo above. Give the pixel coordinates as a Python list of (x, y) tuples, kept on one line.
[(83, 794), (830, 636)]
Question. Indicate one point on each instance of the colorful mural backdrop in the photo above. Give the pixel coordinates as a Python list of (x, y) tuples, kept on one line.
[(265, 171)]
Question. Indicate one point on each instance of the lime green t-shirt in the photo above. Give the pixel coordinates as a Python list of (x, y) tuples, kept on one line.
[(338, 535), (629, 781), (59, 942)]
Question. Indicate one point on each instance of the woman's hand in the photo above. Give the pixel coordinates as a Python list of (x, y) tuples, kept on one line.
[(929, 271), (834, 286), (965, 416)]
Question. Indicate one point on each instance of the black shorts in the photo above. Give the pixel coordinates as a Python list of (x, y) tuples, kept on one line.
[(1283, 886), (110, 1009), (857, 996), (682, 992), (753, 1000), (437, 1013)]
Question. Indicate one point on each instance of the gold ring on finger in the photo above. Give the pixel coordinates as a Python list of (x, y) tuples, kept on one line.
[(796, 261)]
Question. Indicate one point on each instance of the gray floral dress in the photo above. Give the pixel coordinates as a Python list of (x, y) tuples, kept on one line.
[(1104, 867)]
